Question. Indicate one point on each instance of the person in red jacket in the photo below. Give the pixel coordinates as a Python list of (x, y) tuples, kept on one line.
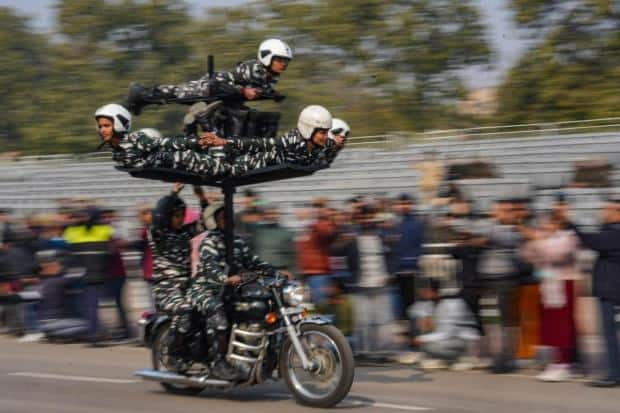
[(313, 251)]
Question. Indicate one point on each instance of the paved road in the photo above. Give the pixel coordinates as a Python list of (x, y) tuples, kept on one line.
[(53, 378)]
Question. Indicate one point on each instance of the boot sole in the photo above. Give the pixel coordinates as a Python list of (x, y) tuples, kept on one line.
[(200, 109)]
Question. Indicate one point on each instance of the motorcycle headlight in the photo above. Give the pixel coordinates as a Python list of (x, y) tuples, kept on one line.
[(294, 294)]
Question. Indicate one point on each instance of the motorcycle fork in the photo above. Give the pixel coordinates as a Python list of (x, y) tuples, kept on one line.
[(292, 333)]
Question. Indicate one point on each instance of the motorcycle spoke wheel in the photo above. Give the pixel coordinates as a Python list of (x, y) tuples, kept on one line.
[(324, 380)]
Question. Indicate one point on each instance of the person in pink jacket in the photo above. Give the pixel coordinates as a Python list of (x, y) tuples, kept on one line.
[(553, 254)]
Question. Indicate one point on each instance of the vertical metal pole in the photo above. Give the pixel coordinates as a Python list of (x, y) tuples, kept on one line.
[(229, 231), (210, 65)]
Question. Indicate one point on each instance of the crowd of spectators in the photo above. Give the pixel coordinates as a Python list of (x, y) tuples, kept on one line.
[(393, 277)]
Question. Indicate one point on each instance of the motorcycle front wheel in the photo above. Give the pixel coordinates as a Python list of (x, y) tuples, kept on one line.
[(331, 379), (163, 361)]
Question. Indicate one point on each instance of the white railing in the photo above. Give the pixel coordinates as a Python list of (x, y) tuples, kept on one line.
[(391, 140), (599, 125)]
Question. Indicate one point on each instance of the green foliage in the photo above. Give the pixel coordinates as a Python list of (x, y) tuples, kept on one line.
[(382, 66), (573, 72)]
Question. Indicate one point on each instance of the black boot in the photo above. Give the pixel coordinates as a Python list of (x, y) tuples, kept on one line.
[(220, 367), (139, 96), (223, 370), (175, 343)]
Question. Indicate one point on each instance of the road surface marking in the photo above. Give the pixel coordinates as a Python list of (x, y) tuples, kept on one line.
[(370, 403), (72, 378), (390, 406)]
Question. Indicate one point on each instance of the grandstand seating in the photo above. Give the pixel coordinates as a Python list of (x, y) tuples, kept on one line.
[(525, 164)]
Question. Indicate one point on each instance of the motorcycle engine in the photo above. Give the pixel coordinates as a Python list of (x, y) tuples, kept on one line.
[(247, 346)]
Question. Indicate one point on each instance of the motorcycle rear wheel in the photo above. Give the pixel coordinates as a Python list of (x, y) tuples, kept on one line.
[(161, 362)]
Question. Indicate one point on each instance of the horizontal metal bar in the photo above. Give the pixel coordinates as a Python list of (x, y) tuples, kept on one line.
[(246, 333), (243, 358), (247, 346)]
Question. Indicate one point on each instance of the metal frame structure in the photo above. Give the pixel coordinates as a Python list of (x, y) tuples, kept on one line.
[(228, 186)]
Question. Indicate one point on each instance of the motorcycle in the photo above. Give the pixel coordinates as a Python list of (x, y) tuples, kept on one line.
[(271, 337)]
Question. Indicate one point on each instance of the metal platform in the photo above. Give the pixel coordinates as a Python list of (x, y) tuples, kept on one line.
[(257, 176), (228, 185)]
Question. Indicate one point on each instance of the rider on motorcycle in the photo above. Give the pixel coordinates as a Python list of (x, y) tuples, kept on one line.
[(169, 239), (247, 81), (212, 276)]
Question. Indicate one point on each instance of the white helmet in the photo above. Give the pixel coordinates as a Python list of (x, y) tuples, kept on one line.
[(313, 117), (120, 116), (339, 127), (151, 133), (271, 48), (209, 213)]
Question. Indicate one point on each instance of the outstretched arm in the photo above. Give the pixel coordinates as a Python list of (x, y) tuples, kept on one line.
[(245, 145), (178, 143)]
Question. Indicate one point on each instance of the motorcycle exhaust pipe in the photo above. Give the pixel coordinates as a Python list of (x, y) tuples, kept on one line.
[(172, 378)]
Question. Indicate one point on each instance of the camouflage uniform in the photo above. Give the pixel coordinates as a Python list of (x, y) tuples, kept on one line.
[(138, 150), (253, 153), (212, 275), (171, 265), (251, 73)]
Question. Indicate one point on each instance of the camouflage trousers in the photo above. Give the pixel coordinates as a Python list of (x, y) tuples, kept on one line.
[(257, 160), (194, 88), (212, 162), (209, 303), (170, 298)]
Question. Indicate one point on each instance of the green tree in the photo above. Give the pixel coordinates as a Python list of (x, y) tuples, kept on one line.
[(572, 72), (23, 74), (397, 60), (382, 66)]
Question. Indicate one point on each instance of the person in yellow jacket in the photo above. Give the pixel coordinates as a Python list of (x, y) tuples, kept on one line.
[(90, 242)]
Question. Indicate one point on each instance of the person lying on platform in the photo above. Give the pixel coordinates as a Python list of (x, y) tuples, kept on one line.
[(248, 81), (305, 145), (146, 148)]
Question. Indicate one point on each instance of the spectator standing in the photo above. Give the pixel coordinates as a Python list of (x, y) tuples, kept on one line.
[(554, 257), (373, 312), (606, 283), (313, 250), (117, 275), (90, 242), (498, 270), (405, 240), (274, 243)]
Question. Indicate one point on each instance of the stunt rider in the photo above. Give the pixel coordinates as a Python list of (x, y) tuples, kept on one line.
[(140, 149), (247, 81), (211, 278), (306, 145), (169, 239), (339, 133)]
